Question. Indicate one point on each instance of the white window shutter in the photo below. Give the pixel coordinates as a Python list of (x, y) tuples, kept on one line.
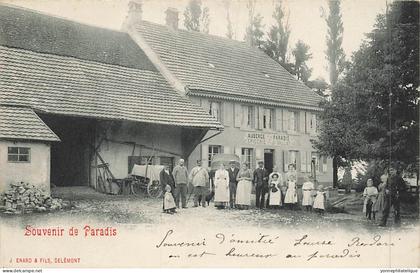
[(279, 119), (260, 117), (302, 121), (302, 161), (227, 113), (285, 160), (308, 122), (238, 115), (205, 155), (205, 104), (285, 117)]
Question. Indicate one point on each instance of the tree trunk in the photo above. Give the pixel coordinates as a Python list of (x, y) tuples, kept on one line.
[(335, 172)]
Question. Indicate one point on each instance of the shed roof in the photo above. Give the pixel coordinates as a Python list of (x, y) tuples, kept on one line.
[(23, 123)]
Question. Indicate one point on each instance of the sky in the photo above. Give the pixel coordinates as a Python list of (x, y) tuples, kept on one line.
[(305, 19)]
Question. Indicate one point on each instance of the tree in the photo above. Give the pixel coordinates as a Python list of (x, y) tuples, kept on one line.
[(254, 32), (278, 36), (335, 54), (230, 34), (302, 55), (196, 18), (319, 85), (373, 113)]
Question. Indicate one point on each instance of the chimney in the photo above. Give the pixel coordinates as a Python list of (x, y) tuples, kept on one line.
[(172, 18), (135, 10)]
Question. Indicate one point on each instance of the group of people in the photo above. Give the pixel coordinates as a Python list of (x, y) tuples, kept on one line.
[(380, 199), (233, 187)]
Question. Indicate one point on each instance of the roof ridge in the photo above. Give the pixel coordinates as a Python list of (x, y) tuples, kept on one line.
[(197, 33), (39, 12)]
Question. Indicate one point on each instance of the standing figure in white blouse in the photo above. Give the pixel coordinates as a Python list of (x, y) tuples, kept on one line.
[(221, 187)]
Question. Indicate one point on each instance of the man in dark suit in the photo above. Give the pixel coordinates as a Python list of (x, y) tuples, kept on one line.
[(166, 178), (261, 184), (233, 172)]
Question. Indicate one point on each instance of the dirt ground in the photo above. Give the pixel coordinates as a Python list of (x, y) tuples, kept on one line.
[(88, 205)]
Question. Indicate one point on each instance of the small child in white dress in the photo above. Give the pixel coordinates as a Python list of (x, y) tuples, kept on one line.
[(168, 201), (274, 190), (370, 193), (307, 192), (319, 202)]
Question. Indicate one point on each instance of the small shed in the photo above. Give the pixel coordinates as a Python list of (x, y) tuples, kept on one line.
[(25, 142)]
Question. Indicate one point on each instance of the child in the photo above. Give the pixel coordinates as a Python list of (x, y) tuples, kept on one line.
[(370, 193), (319, 201), (274, 192), (307, 189), (168, 201)]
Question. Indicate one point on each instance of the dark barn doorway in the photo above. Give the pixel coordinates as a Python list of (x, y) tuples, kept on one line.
[(269, 160), (70, 158)]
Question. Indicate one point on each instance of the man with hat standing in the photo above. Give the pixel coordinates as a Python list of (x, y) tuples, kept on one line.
[(261, 184), (233, 183), (199, 177), (393, 189)]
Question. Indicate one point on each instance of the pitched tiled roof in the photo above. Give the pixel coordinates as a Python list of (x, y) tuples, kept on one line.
[(219, 66), (69, 86), (23, 123), (34, 31)]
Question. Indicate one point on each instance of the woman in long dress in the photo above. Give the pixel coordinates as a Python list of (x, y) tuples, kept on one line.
[(291, 194), (274, 182), (319, 202), (243, 191), (221, 187), (379, 205)]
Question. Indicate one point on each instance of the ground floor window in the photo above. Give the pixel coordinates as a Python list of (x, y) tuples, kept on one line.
[(214, 150), (248, 157), (18, 154)]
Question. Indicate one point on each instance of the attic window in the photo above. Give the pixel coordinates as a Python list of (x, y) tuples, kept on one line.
[(211, 65), (266, 74)]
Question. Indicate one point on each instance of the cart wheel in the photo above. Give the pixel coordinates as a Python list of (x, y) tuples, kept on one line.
[(153, 189)]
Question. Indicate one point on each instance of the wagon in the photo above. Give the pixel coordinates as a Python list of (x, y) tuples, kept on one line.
[(145, 178)]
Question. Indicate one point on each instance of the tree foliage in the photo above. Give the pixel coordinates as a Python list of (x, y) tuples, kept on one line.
[(278, 36), (254, 34), (196, 18), (319, 85), (230, 33), (335, 54), (373, 112), (302, 55)]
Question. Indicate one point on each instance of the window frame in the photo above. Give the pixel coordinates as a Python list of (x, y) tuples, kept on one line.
[(219, 114), (248, 158), (271, 121), (18, 154), (248, 117), (295, 124), (212, 153)]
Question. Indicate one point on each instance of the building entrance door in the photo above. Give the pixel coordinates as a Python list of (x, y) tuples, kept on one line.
[(269, 160)]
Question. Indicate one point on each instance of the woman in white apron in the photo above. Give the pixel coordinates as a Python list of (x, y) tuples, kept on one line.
[(221, 187), (243, 191), (291, 194), (274, 183)]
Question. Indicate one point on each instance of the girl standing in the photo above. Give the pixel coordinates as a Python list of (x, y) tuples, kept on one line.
[(243, 191), (319, 202), (274, 190), (221, 187), (307, 189), (168, 201), (370, 193)]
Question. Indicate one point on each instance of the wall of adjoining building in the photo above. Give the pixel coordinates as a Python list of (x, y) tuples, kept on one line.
[(36, 171), (126, 140), (282, 142)]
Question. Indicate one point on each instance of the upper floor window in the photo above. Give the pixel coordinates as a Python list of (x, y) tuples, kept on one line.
[(18, 154), (313, 125), (267, 119), (215, 110), (248, 116), (293, 121)]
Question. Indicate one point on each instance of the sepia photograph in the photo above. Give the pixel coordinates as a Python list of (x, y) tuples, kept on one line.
[(209, 134)]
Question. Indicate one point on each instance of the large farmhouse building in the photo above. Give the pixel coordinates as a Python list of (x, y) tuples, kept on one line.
[(267, 114), (74, 97)]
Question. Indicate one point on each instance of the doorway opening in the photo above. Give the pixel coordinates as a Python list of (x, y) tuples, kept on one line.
[(269, 160)]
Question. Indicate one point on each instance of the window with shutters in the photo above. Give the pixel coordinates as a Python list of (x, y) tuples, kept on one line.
[(18, 154), (293, 157), (248, 157), (214, 150), (268, 118), (214, 110), (293, 121), (248, 117)]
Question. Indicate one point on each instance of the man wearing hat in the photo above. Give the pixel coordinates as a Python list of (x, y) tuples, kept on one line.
[(199, 177), (233, 172), (261, 184), (393, 189)]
